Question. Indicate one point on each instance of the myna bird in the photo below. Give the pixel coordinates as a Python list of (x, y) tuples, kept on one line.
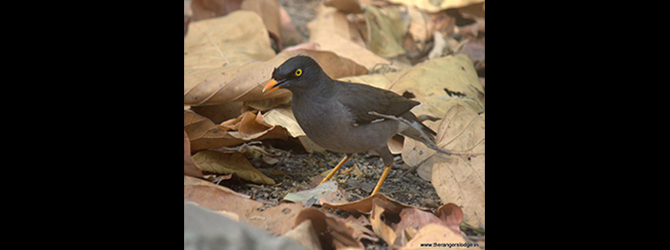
[(347, 117)]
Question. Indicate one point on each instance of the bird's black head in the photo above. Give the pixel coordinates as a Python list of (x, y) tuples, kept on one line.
[(299, 72)]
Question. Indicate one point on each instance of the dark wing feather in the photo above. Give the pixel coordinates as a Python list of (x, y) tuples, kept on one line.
[(361, 99)]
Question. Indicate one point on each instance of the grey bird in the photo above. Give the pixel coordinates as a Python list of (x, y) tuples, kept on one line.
[(348, 117)]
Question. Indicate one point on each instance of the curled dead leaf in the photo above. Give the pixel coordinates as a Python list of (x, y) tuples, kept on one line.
[(459, 178), (304, 234), (332, 31), (251, 126), (214, 45), (451, 214), (221, 163), (436, 5), (204, 134), (364, 206), (277, 220), (441, 83), (189, 167), (267, 9), (387, 27), (438, 236), (345, 6), (461, 182), (397, 223), (333, 232)]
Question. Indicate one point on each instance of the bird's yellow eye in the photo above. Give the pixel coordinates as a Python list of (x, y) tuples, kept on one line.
[(298, 72)]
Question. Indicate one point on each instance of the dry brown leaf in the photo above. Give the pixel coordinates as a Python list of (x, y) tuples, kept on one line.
[(205, 9), (204, 134), (416, 219), (436, 5), (216, 44), (360, 230), (379, 225), (440, 237), (244, 83), (441, 83), (333, 232), (315, 193), (267, 9), (459, 178), (189, 166), (276, 220), (267, 104), (459, 181), (289, 32), (221, 112), (451, 214), (339, 196), (252, 126), (345, 6), (330, 30), (284, 117), (387, 27), (364, 206), (222, 163), (305, 235), (395, 222)]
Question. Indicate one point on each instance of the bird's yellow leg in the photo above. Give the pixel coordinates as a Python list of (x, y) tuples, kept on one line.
[(339, 165), (387, 169)]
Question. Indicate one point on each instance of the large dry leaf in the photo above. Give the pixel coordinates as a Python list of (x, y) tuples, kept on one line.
[(436, 5), (420, 32), (251, 126), (220, 43), (284, 117), (438, 237), (460, 131), (392, 220), (222, 163), (267, 9), (244, 83), (204, 134), (189, 166), (387, 28), (333, 232), (459, 178), (289, 32), (345, 6), (305, 234), (441, 83), (221, 112), (277, 220), (462, 182), (364, 206), (451, 214), (330, 30), (380, 226)]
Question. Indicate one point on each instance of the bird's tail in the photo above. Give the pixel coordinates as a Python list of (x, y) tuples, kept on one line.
[(420, 132)]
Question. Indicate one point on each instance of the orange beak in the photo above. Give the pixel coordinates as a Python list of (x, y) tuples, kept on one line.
[(271, 86)]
